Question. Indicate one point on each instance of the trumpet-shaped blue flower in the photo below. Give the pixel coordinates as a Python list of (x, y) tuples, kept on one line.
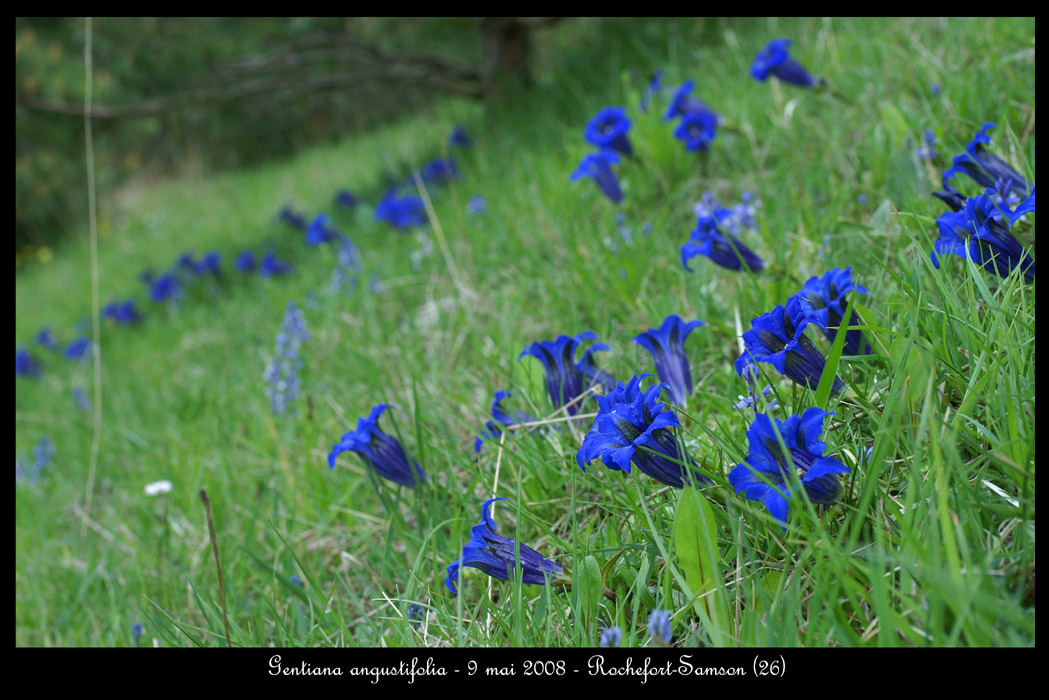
[(660, 627), (400, 212), (698, 130), (321, 230), (764, 475), (683, 104), (459, 137), (654, 87), (611, 636), (724, 249), (26, 365), (381, 452), (166, 287), (982, 229), (599, 167), (495, 555), (667, 345), (122, 312), (775, 59), (477, 205), (439, 170), (270, 266), (45, 338), (292, 218), (565, 379), (608, 129), (985, 168), (493, 429), (245, 262), (633, 427), (778, 338), (77, 349), (824, 301)]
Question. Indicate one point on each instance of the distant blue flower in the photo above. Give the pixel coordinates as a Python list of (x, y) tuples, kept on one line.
[(697, 130), (123, 312), (598, 166), (146, 277), (281, 374), (292, 218), (608, 129), (928, 151), (982, 229), (936, 90), (26, 365), (78, 349), (210, 263), (611, 637), (136, 631), (439, 170), (400, 212), (566, 380), (778, 338), (987, 169), (46, 338), (344, 276), (683, 104), (495, 555), (654, 87), (775, 58), (43, 453), (477, 205), (660, 627), (415, 614), (458, 137), (824, 300), (345, 198), (633, 427), (321, 230), (381, 452), (374, 284), (166, 287), (861, 199), (667, 345), (725, 250), (245, 262), (296, 580), (80, 399), (766, 463), (493, 429), (270, 266)]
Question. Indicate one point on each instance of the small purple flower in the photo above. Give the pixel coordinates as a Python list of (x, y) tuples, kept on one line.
[(381, 452), (608, 129), (344, 276), (861, 199), (746, 402), (667, 346), (611, 636), (763, 475), (566, 380), (321, 230), (824, 300), (245, 262), (476, 205), (496, 555), (281, 374), (775, 59), (928, 151), (660, 627), (26, 365), (80, 399), (598, 166), (935, 89), (78, 349)]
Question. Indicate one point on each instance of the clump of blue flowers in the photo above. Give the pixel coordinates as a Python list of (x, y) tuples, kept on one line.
[(660, 627), (495, 555), (608, 129), (271, 266), (380, 451), (566, 380), (281, 375), (26, 365), (502, 419), (699, 123), (599, 167), (981, 231), (400, 212), (321, 230), (824, 300), (633, 427), (165, 287), (986, 169), (667, 345), (245, 262), (764, 475), (778, 338), (717, 237), (122, 312), (344, 276), (77, 350), (45, 338), (775, 59)]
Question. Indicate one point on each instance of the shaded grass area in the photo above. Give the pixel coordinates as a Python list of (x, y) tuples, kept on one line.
[(932, 544)]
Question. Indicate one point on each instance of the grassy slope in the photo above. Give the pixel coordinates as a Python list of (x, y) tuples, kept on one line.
[(921, 551)]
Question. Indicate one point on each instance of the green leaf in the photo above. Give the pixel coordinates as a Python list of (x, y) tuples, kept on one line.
[(696, 545), (588, 580)]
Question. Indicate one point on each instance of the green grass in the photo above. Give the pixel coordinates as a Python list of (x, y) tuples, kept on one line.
[(931, 545)]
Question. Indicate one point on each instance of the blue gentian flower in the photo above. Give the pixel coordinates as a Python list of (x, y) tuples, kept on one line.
[(654, 87), (775, 58), (725, 250), (381, 452), (935, 89), (928, 151), (861, 199), (458, 137), (400, 212), (824, 300), (599, 167), (566, 380), (415, 614), (281, 374), (245, 262), (633, 427), (766, 463), (778, 338), (439, 170), (46, 338), (210, 263), (292, 218), (26, 365), (660, 627), (477, 205), (166, 287), (611, 637), (683, 104), (270, 266), (345, 198), (493, 429), (697, 130), (982, 228), (122, 312), (987, 169), (667, 345), (494, 554), (608, 129), (321, 230), (77, 349), (136, 631), (295, 580)]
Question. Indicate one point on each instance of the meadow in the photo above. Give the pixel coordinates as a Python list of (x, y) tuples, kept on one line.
[(931, 541)]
